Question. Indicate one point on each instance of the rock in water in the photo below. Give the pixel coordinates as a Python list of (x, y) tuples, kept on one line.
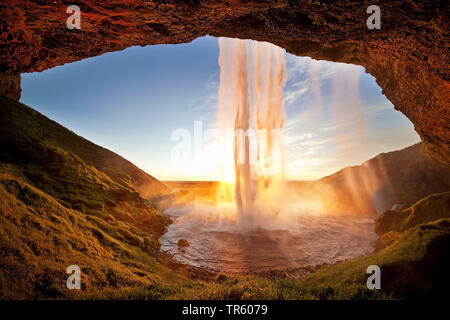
[(183, 243)]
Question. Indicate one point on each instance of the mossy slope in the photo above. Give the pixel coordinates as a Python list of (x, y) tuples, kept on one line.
[(430, 208), (40, 238), (414, 265), (65, 200)]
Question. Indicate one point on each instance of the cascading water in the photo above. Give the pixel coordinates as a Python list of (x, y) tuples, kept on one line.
[(256, 121), (257, 223)]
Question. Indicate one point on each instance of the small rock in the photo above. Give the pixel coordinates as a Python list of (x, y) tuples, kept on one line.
[(221, 278), (183, 243)]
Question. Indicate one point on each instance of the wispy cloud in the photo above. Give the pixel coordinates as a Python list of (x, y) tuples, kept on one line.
[(378, 109), (206, 104), (296, 90)]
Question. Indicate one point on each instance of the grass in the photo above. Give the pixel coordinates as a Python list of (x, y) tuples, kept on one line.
[(415, 266), (64, 201), (430, 208), (27, 136), (40, 238)]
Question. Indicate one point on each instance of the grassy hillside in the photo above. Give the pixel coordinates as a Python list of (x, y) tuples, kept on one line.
[(414, 263), (65, 200), (398, 178), (391, 224), (77, 173), (27, 137), (428, 209), (40, 238), (415, 266)]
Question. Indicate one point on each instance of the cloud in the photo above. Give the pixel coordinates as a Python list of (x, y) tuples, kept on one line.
[(378, 109), (206, 104), (290, 96), (307, 75)]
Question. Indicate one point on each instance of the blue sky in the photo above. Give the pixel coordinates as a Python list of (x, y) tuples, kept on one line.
[(131, 101)]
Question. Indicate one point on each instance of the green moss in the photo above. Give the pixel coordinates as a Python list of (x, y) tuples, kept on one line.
[(56, 209), (39, 238), (389, 221), (428, 209), (415, 265), (64, 200), (402, 264)]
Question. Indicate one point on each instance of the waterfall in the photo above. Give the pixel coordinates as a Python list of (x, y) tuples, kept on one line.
[(253, 107)]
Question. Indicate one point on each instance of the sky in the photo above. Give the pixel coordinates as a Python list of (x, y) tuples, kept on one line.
[(132, 102)]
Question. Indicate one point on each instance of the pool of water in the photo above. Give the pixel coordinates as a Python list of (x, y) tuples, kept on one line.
[(216, 243)]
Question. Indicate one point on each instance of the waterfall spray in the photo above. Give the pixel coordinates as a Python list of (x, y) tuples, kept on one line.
[(257, 221)]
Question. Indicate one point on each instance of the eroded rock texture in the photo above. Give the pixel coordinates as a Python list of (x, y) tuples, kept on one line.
[(408, 56)]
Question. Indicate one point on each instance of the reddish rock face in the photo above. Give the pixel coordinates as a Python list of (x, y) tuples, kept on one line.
[(408, 56)]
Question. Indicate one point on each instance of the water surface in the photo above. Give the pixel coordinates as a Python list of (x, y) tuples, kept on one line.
[(217, 244)]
